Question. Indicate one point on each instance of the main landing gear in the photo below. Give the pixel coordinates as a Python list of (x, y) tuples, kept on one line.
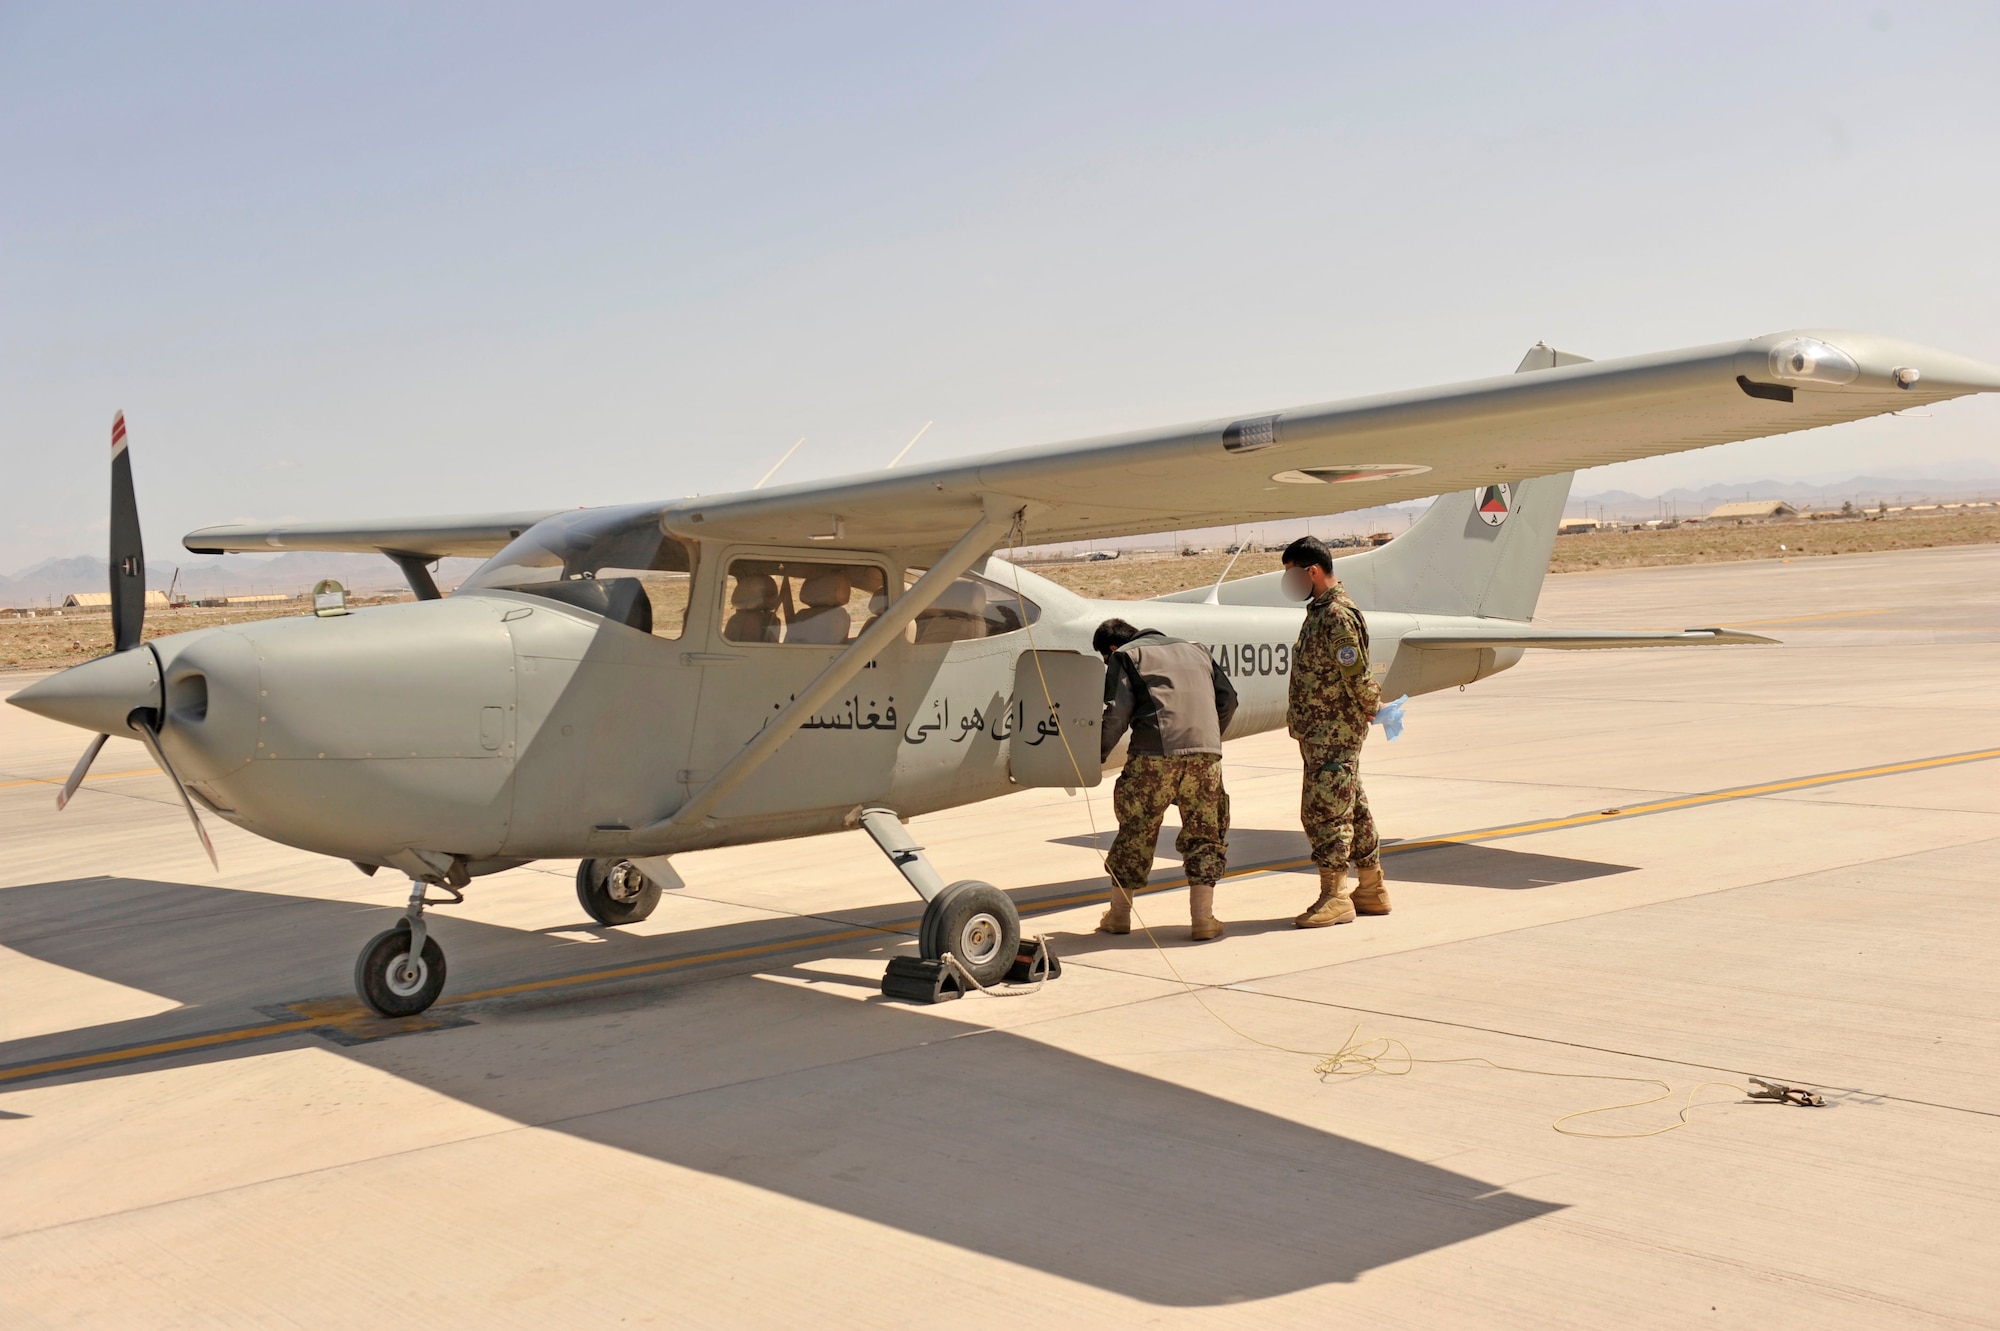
[(615, 892), (974, 924)]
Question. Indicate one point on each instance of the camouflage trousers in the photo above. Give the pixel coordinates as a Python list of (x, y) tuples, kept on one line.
[(1145, 788), (1334, 808)]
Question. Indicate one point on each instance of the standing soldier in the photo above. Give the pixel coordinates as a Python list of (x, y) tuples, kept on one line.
[(1176, 702), (1333, 698)]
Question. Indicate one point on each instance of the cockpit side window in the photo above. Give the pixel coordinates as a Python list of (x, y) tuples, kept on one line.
[(799, 601), (611, 562)]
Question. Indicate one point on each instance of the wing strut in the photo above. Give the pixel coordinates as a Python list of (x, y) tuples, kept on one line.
[(978, 542)]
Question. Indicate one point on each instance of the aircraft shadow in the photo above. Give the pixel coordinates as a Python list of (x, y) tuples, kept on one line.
[(995, 1143), (1458, 865)]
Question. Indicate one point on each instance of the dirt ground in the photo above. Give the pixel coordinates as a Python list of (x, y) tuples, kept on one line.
[(47, 641), (1719, 545), (78, 635), (1140, 576)]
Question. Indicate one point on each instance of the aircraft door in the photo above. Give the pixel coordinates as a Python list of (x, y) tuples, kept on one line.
[(1061, 696), (782, 617)]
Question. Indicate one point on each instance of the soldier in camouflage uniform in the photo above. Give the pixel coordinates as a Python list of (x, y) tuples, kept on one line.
[(1333, 699), (1176, 702)]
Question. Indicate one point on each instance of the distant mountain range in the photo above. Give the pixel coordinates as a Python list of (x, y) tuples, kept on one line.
[(48, 582), (1863, 490)]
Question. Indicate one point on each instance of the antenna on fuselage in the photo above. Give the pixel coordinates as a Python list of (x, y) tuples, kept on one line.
[(907, 447), (779, 463), (1215, 593)]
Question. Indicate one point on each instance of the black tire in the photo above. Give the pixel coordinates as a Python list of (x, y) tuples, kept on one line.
[(975, 922), (378, 980), (600, 898)]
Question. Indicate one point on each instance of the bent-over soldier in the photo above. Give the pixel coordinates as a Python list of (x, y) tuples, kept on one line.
[(1176, 702), (1333, 699)]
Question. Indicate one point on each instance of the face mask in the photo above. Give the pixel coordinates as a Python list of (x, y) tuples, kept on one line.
[(1297, 584)]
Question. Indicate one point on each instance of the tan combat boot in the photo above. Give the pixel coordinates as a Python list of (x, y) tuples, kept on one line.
[(1118, 919), (1371, 896), (1334, 905), (1201, 913)]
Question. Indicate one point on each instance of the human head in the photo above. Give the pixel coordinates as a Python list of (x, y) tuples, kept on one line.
[(1111, 635), (1308, 568)]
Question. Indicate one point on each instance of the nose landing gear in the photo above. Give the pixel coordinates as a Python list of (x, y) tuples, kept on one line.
[(401, 971)]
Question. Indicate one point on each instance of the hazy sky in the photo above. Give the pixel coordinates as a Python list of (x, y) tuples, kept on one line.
[(361, 260)]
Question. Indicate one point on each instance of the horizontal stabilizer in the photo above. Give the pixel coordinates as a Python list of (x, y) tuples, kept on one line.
[(1520, 635)]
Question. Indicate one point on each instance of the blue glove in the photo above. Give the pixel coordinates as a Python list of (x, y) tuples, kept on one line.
[(1390, 717)]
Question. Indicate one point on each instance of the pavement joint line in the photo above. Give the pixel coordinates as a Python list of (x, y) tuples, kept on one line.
[(1039, 905)]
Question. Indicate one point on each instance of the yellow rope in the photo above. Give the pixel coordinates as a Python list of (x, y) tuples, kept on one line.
[(1377, 1055)]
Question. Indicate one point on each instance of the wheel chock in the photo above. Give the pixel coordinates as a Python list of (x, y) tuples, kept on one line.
[(1034, 961), (915, 980)]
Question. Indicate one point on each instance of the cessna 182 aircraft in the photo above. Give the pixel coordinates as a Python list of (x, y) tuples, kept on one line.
[(623, 684)]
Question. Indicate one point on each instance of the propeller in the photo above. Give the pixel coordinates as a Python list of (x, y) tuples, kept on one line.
[(128, 623)]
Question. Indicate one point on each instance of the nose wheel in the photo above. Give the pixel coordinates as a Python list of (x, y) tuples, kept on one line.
[(393, 981)]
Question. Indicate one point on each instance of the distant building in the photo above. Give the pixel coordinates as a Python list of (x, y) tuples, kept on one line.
[(102, 601), (1753, 510), (1577, 526)]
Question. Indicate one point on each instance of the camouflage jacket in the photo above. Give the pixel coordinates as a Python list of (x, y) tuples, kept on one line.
[(1333, 695)]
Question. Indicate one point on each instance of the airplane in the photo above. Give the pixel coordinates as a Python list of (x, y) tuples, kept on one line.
[(624, 684)]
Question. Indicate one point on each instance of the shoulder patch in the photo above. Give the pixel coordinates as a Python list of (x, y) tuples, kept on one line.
[(1348, 654)]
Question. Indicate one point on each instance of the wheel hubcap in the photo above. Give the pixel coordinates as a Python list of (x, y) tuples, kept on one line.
[(625, 883), (403, 981), (979, 940)]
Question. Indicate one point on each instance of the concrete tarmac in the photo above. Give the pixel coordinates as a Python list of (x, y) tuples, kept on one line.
[(1679, 868)]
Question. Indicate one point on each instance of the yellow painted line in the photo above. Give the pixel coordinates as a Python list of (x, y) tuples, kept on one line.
[(673, 964), (94, 776), (813, 942), (1584, 819), (155, 1050)]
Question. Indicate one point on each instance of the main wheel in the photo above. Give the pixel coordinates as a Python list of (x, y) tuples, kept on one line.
[(975, 922), (615, 892), (383, 977)]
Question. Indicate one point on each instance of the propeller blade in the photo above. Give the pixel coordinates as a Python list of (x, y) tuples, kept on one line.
[(151, 735), (76, 777), (128, 552)]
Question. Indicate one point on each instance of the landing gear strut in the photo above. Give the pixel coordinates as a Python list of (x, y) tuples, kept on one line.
[(974, 922), (401, 971)]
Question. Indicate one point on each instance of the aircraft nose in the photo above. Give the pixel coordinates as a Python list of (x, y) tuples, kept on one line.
[(98, 695)]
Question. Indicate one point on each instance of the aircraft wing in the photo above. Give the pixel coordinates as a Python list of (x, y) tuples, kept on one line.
[(1521, 635), (476, 535), (1339, 456)]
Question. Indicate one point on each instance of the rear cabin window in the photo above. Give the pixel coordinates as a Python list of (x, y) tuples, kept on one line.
[(972, 607), (801, 602)]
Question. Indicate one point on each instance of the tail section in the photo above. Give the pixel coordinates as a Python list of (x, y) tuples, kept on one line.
[(1476, 552)]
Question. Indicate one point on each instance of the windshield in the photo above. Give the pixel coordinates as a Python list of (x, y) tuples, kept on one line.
[(610, 561)]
